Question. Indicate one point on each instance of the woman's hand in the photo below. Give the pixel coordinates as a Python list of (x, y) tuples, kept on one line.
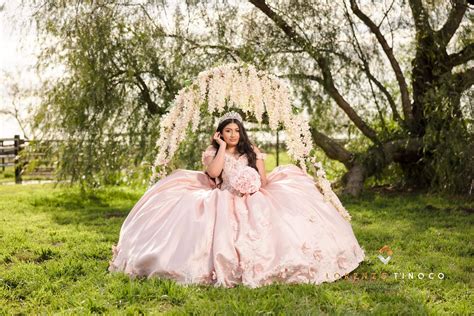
[(212, 182), (215, 166), (218, 139)]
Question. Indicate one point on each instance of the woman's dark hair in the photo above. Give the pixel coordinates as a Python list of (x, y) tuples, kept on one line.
[(244, 146)]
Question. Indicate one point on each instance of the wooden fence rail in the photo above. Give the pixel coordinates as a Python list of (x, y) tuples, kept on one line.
[(11, 156)]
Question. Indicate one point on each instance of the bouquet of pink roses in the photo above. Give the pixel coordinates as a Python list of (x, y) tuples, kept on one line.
[(245, 180)]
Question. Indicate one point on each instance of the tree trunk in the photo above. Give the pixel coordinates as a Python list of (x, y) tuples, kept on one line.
[(354, 180), (406, 152)]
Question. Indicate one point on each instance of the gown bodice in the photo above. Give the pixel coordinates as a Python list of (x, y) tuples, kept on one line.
[(232, 163)]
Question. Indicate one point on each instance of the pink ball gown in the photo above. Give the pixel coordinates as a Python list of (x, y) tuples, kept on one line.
[(184, 228)]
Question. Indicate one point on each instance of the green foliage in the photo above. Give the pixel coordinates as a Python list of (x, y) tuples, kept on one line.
[(8, 175), (449, 147), (391, 177), (121, 75), (123, 65), (190, 150), (55, 250)]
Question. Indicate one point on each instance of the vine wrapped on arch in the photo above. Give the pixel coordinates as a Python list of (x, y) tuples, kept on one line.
[(240, 86)]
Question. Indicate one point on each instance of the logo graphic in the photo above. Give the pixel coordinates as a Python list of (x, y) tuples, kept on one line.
[(389, 253)]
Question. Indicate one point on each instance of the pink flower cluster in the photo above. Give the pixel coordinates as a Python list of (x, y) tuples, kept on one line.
[(245, 180)]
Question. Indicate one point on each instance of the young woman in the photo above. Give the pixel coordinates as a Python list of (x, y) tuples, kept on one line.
[(232, 224)]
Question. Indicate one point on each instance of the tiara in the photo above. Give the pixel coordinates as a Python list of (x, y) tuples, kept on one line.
[(230, 115)]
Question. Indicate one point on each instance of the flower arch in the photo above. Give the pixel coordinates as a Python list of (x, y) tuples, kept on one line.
[(240, 86)]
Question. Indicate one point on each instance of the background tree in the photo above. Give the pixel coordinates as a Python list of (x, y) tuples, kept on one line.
[(394, 76), (429, 137), (120, 75)]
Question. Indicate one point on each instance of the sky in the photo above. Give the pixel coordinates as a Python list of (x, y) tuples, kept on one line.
[(17, 47)]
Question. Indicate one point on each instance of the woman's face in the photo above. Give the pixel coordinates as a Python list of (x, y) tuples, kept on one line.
[(231, 134)]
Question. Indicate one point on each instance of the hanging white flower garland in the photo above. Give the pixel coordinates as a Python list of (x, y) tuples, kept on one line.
[(254, 92)]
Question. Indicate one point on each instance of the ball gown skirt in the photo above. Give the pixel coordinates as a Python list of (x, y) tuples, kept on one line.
[(185, 229)]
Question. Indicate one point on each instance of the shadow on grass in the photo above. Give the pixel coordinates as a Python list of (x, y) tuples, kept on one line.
[(91, 211), (377, 219), (422, 210), (63, 267)]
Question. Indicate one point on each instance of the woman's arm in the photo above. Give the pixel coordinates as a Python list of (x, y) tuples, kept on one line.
[(214, 168), (261, 167)]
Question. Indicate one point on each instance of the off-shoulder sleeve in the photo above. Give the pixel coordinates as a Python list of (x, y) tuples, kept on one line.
[(259, 154), (208, 155)]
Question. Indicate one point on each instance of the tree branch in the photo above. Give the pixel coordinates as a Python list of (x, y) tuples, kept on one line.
[(366, 68), (328, 84), (332, 149), (464, 80), (455, 17), (152, 107), (393, 107), (327, 80), (285, 27), (406, 103), (422, 25), (461, 57), (233, 52), (302, 76), (385, 15)]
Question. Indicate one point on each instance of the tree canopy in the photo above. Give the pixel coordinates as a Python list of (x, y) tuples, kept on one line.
[(395, 76)]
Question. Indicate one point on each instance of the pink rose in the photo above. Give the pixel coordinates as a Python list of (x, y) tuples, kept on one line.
[(245, 180)]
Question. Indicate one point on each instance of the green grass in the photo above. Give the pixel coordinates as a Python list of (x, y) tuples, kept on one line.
[(270, 161), (7, 176), (334, 169), (55, 246)]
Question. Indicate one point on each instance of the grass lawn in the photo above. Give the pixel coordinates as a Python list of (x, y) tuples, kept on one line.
[(55, 247), (7, 176)]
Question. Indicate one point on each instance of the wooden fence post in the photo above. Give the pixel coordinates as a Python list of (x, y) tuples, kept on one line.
[(278, 149), (17, 159), (3, 158)]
